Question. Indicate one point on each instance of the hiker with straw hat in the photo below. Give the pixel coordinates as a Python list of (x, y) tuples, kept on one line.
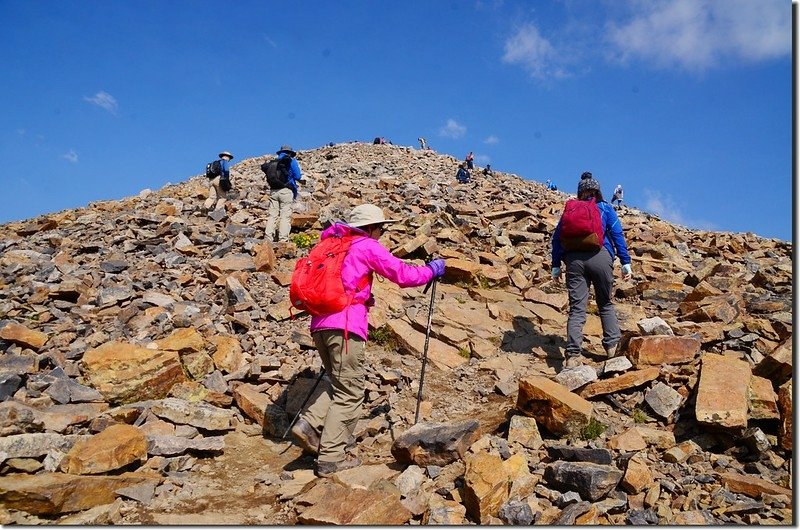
[(282, 195), (219, 186), (326, 426)]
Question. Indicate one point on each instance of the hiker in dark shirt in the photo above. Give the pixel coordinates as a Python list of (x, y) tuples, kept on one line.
[(281, 199), (462, 176), (219, 186)]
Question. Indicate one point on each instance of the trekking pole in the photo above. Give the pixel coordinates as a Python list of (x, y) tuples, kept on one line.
[(322, 372), (425, 350)]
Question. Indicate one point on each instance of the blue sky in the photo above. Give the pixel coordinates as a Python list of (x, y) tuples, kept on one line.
[(687, 104)]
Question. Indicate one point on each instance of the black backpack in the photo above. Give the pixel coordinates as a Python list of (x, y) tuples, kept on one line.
[(213, 169), (277, 171)]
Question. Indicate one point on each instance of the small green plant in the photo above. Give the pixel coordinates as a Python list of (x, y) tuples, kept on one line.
[(593, 430), (464, 352), (483, 281), (303, 240), (383, 336), (639, 416)]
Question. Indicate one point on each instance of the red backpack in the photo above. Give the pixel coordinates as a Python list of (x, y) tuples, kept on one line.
[(317, 286), (581, 226)]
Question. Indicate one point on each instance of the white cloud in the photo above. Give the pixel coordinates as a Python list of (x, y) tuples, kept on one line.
[(103, 100), (452, 129), (667, 209), (71, 156), (534, 53), (483, 159), (698, 34), (492, 140)]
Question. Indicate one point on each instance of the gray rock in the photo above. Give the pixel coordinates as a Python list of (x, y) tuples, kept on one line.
[(755, 440), (580, 454), (572, 512), (654, 326), (435, 443), (573, 378), (34, 445), (663, 399), (201, 415), (9, 384), (516, 512), (616, 365), (161, 445), (591, 481)]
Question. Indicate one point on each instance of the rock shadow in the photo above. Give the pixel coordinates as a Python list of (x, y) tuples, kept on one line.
[(525, 337)]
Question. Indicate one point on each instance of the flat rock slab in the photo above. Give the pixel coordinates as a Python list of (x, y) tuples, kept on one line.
[(56, 493), (346, 506)]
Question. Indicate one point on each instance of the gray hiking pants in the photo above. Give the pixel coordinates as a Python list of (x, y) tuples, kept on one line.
[(583, 269), (337, 409), (280, 212)]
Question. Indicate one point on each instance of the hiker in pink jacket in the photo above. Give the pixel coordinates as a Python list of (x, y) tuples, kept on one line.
[(327, 424)]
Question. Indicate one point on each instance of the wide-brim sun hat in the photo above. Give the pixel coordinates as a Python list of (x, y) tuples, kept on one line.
[(225, 153), (286, 149), (367, 214)]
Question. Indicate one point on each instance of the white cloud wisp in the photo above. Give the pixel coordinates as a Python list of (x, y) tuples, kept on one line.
[(452, 129), (104, 100)]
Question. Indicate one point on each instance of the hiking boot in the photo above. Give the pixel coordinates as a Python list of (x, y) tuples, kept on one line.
[(326, 469), (573, 361), (611, 352), (305, 436)]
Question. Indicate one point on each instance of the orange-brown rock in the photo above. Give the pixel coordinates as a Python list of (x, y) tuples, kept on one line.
[(487, 482), (620, 382), (722, 392), (344, 506), (752, 486), (264, 258), (786, 408), (113, 448), (57, 493), (655, 350), (553, 406), (229, 356), (125, 373), (763, 401), (638, 476), (252, 402), (182, 340), (19, 334)]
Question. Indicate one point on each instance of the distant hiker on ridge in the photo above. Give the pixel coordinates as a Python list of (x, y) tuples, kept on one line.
[(219, 175), (423, 143), (325, 427), (283, 174), (617, 197), (463, 176), (587, 238), (470, 160), (551, 185), (487, 171)]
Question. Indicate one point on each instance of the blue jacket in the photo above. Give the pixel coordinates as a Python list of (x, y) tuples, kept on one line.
[(613, 239), (225, 168), (294, 174)]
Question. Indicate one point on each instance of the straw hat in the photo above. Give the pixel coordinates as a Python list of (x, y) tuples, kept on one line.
[(367, 214)]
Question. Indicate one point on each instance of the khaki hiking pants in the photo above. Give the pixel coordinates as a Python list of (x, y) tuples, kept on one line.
[(337, 409), (280, 210), (216, 195)]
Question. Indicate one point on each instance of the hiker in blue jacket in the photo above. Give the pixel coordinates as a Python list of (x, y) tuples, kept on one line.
[(218, 186), (462, 175), (280, 199), (592, 267)]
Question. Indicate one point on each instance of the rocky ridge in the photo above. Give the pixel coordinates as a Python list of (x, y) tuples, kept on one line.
[(151, 364)]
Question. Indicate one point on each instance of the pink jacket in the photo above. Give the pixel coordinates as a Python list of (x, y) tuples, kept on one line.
[(366, 255)]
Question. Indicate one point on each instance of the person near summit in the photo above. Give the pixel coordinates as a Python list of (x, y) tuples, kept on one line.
[(462, 175), (591, 267), (551, 185), (423, 143), (325, 427), (281, 198), (617, 197), (487, 171), (470, 160), (218, 186)]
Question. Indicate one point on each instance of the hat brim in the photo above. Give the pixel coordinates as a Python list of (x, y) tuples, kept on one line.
[(368, 223), (225, 153), (287, 151)]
